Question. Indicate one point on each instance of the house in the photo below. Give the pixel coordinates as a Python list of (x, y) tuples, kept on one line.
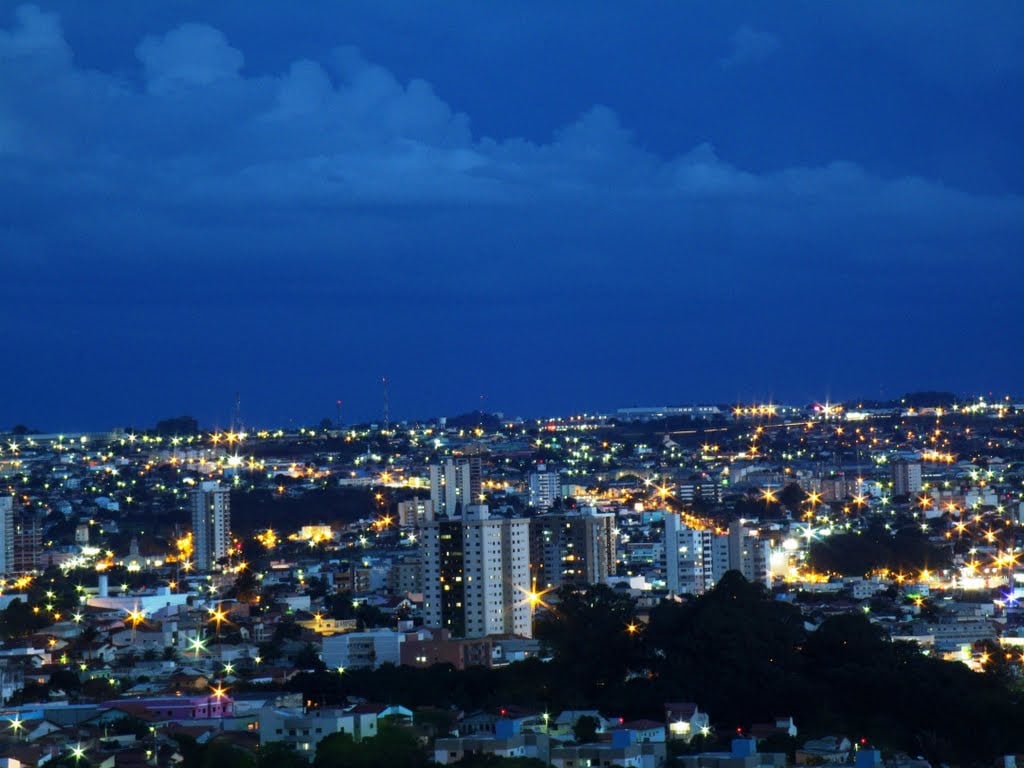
[(426, 647), (830, 749), (646, 730), (780, 726), (507, 740), (685, 720), (622, 749), (305, 729)]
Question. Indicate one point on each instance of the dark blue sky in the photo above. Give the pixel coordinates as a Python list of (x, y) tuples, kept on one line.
[(560, 206)]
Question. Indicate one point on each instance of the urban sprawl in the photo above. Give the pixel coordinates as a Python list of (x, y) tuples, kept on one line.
[(708, 586)]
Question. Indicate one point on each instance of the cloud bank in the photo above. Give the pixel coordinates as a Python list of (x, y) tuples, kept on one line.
[(189, 129)]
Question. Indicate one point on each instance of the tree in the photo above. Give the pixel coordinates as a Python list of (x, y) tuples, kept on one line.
[(593, 637), (488, 760), (584, 730), (279, 754), (220, 754), (393, 746), (308, 658)]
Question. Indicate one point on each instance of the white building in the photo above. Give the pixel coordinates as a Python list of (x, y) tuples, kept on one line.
[(362, 650), (211, 524), (696, 560), (684, 557), (749, 553), (455, 485), (906, 478), (545, 488), (415, 512), (304, 730), (476, 574)]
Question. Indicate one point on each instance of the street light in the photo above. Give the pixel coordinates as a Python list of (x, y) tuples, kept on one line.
[(197, 644)]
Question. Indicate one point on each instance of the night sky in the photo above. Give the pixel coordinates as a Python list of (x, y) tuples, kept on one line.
[(556, 206)]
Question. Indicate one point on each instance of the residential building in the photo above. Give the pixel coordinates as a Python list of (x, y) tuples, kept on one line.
[(749, 553), (211, 524), (684, 558), (575, 547), (476, 574), (906, 478), (6, 534), (545, 487), (362, 650), (26, 543), (304, 730), (415, 512), (455, 485), (426, 647)]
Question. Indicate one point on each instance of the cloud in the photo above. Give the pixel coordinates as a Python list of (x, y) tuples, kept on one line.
[(194, 138), (749, 46), (188, 56)]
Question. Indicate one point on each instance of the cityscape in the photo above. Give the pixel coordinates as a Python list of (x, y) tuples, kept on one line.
[(511, 385), (254, 591)]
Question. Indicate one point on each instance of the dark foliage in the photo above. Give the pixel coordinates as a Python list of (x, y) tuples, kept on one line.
[(742, 657)]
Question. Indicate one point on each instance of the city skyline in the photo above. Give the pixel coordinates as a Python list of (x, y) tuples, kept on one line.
[(558, 207), (235, 417)]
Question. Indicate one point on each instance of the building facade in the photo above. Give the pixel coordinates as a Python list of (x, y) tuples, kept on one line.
[(906, 478), (476, 574), (545, 488), (6, 534), (572, 548), (455, 485), (211, 524)]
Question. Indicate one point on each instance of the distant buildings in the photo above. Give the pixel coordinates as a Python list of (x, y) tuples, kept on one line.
[(415, 512), (303, 730), (749, 553), (906, 478), (573, 548), (545, 487), (685, 571), (455, 485), (695, 560), (6, 533), (476, 574), (362, 650), (27, 543), (211, 524)]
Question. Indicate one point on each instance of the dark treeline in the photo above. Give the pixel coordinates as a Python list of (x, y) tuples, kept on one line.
[(743, 658)]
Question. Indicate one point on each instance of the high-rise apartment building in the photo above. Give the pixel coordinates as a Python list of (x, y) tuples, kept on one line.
[(27, 543), (685, 571), (695, 560), (572, 548), (6, 534), (545, 487), (749, 553), (906, 478), (476, 574), (211, 524), (455, 485), (415, 512)]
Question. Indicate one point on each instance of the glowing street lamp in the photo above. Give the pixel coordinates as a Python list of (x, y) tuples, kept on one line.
[(218, 616), (197, 644)]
